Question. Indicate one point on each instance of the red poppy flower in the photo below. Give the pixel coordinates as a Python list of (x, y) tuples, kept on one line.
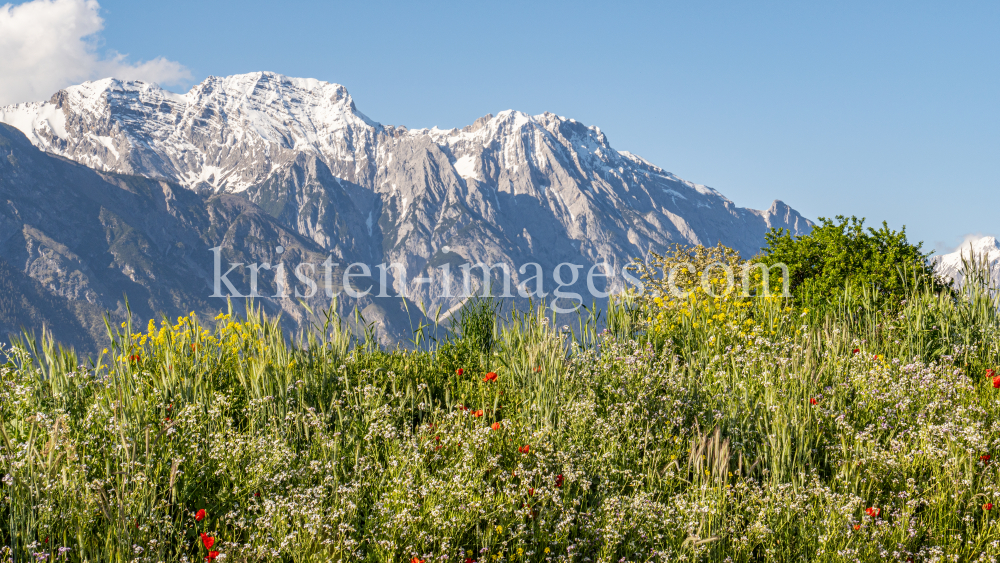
[(495, 426), (524, 449), (200, 515), (211, 555), (538, 369), (996, 382), (857, 527), (872, 511), (470, 560), (856, 350), (812, 401), (416, 560), (458, 372), (988, 506), (559, 480), (207, 540), (478, 413), (531, 492), (985, 458), (491, 376)]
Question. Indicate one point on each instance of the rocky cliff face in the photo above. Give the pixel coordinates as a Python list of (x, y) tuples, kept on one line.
[(75, 243), (510, 188)]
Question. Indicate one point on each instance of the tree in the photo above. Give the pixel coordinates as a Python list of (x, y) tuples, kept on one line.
[(842, 253)]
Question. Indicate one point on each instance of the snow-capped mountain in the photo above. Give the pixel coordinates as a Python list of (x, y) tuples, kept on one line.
[(986, 249), (510, 188)]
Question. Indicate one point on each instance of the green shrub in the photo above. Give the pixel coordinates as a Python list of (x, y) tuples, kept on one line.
[(842, 254)]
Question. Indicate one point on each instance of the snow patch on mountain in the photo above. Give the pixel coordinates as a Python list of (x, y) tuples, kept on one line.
[(34, 118), (951, 266), (466, 167)]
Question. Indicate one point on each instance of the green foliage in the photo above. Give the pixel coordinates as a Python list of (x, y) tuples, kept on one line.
[(839, 254)]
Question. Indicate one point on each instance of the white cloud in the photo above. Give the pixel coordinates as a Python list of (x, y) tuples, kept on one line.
[(969, 239), (948, 247), (46, 45)]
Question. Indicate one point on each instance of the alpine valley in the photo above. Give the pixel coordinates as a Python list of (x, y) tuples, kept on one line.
[(113, 189)]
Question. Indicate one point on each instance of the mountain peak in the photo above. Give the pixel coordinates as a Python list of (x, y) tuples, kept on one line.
[(979, 246), (951, 265), (988, 243), (262, 82), (207, 136), (270, 91)]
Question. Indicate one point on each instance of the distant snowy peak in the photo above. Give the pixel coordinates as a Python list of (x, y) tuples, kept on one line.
[(514, 142), (950, 266), (275, 104)]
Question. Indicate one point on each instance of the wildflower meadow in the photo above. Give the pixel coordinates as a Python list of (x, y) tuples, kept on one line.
[(702, 428)]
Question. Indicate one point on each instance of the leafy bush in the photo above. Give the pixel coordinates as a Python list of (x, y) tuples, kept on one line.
[(842, 254)]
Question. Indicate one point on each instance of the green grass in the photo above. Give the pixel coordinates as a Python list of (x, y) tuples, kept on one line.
[(763, 436)]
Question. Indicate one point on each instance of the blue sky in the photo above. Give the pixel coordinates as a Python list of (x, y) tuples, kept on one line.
[(882, 110)]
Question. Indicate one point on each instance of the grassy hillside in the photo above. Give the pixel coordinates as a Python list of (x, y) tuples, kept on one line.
[(702, 429)]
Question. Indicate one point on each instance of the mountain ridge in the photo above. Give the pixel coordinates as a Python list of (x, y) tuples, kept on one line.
[(330, 126), (509, 188)]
